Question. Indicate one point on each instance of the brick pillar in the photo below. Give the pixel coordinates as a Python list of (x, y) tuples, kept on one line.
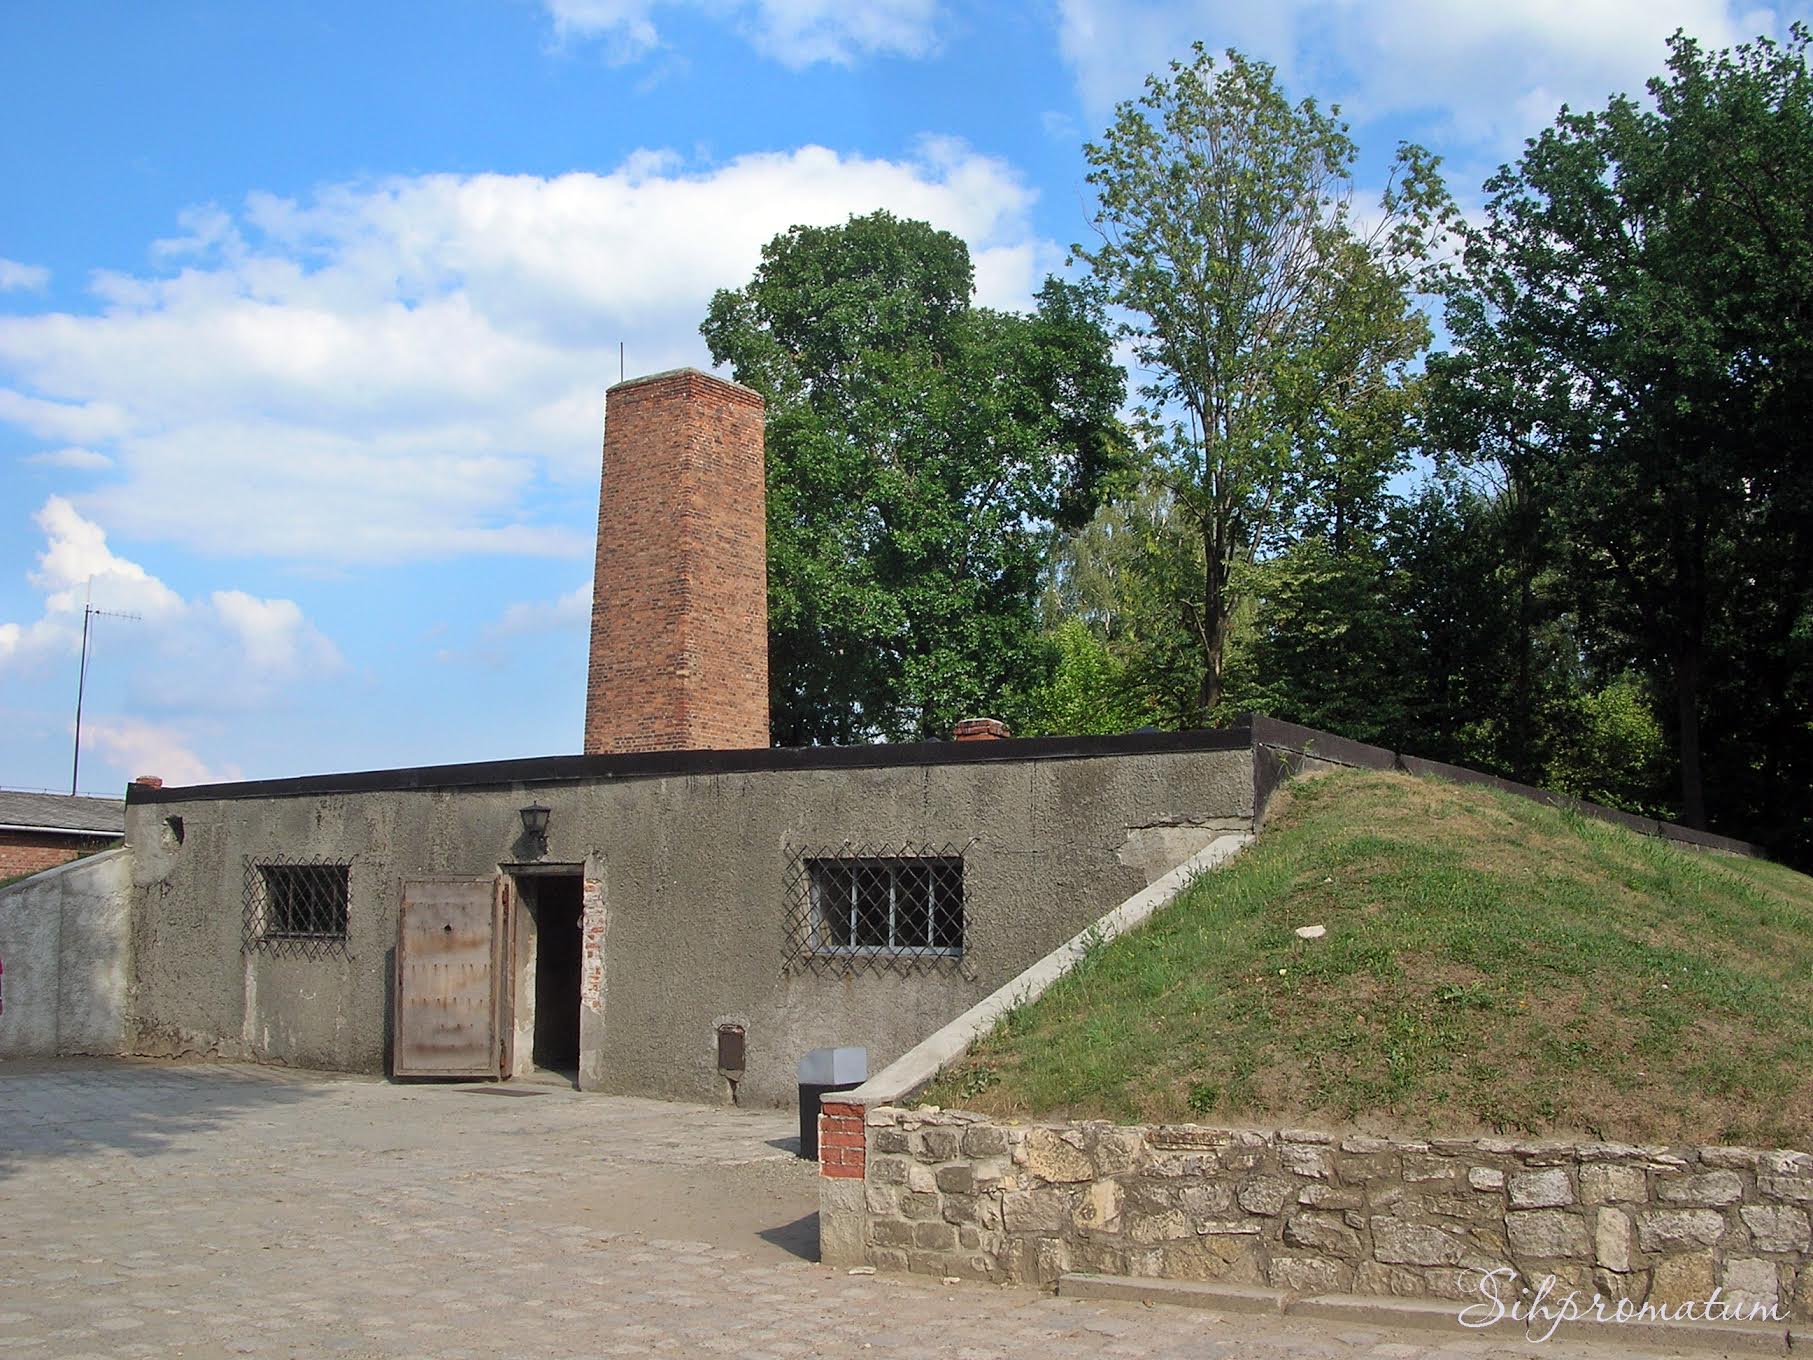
[(680, 597), (842, 1149), (843, 1219)]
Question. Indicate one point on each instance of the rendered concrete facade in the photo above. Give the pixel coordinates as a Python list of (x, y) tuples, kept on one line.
[(63, 940), (685, 868)]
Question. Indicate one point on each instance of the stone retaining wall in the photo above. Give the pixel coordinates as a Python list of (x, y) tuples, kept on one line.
[(948, 1193)]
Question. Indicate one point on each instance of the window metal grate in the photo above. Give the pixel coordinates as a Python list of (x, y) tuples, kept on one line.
[(861, 908), (296, 908)]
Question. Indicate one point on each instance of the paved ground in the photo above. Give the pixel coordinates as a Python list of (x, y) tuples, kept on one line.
[(215, 1211)]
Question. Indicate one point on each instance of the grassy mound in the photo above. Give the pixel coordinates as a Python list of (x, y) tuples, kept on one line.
[(1489, 964)]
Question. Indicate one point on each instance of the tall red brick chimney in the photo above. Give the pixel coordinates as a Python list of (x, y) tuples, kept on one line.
[(680, 596)]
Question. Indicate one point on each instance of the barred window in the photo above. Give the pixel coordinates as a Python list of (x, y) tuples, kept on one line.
[(899, 905), (297, 908)]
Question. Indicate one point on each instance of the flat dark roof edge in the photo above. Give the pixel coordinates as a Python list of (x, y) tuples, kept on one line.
[(73, 832), (676, 764)]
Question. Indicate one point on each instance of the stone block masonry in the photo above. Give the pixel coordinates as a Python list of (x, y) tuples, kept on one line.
[(679, 657), (1307, 1212)]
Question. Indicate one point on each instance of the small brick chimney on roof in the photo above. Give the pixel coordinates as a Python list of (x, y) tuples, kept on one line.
[(680, 596)]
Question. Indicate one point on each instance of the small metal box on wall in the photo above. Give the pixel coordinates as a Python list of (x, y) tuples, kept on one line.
[(730, 1050)]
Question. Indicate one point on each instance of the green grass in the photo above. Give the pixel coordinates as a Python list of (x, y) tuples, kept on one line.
[(1489, 964)]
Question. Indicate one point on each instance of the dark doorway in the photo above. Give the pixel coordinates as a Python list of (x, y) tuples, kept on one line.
[(554, 903)]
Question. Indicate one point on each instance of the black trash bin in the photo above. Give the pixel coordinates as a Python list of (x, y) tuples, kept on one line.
[(821, 1071)]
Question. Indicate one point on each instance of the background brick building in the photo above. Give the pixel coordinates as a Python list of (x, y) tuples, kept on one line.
[(42, 830)]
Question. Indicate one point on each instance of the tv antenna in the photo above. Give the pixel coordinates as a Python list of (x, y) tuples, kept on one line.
[(89, 613)]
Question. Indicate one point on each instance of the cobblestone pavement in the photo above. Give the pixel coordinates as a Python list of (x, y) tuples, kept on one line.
[(216, 1211)]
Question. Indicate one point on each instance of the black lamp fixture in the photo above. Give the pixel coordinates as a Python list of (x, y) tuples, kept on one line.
[(535, 826)]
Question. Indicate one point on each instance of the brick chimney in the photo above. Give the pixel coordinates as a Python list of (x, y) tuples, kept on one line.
[(980, 729), (680, 596)]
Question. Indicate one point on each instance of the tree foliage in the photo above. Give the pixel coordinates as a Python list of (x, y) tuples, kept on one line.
[(1325, 645), (1122, 576), (1605, 587), (1278, 337), (1088, 691), (922, 452), (1633, 330)]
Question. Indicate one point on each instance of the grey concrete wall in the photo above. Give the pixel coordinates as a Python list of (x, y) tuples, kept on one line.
[(63, 942), (689, 873)]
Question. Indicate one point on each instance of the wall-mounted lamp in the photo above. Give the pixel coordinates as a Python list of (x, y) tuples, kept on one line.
[(535, 826)]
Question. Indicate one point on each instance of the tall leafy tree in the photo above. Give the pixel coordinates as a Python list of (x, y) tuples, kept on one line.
[(1119, 577), (922, 454), (1088, 691), (1326, 645), (1278, 335), (1633, 331)]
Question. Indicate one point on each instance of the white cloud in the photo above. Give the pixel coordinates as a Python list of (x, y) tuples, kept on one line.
[(76, 459), (92, 422), (77, 567), (1112, 45), (796, 33), (572, 612), (626, 27), (175, 649), (22, 277), (1486, 74), (393, 370), (567, 619), (159, 749), (272, 635)]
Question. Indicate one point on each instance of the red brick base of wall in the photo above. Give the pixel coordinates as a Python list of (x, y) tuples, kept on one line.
[(841, 1149), (25, 852)]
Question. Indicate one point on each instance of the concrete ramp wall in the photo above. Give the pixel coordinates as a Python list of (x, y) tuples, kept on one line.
[(63, 944)]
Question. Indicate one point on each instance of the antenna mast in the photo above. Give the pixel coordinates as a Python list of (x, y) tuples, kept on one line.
[(88, 612)]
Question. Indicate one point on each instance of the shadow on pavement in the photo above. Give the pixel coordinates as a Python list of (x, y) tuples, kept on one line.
[(72, 1108), (798, 1238)]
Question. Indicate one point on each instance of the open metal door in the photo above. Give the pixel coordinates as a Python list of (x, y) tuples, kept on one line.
[(452, 960)]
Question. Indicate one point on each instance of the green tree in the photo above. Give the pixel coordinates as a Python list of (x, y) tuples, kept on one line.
[(1494, 674), (1614, 751), (922, 453), (1633, 330), (1088, 693), (1326, 645), (1126, 575), (1278, 336)]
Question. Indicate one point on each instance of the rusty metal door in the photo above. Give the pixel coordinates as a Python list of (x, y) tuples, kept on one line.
[(451, 983)]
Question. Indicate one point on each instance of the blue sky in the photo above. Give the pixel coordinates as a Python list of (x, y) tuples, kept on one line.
[(306, 312)]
